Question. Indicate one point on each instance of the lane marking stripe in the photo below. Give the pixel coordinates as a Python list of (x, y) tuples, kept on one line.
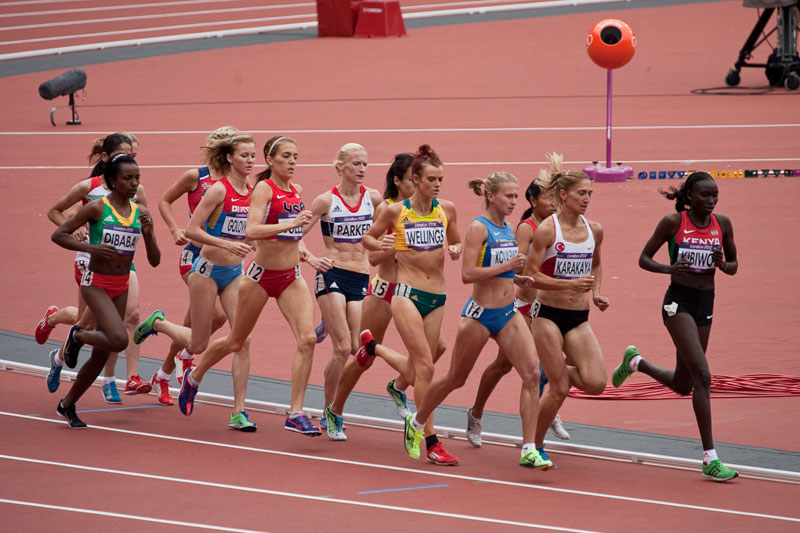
[(402, 489)]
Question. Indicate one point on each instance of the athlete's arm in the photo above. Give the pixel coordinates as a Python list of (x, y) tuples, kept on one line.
[(373, 239), (195, 230), (141, 196), (186, 183), (57, 213), (597, 267), (729, 263), (376, 258), (62, 236), (149, 236), (454, 243), (320, 206), (666, 228)]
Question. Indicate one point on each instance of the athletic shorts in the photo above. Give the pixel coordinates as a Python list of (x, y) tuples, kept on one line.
[(492, 319), (565, 319), (352, 284), (221, 275), (682, 299), (527, 309), (112, 285), (425, 302), (380, 288), (82, 265), (274, 282), (188, 255)]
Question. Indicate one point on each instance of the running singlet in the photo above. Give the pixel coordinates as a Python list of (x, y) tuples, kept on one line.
[(533, 226), (695, 244), (229, 218), (568, 260), (283, 207), (500, 246), (204, 181), (96, 191), (415, 232), (344, 223), (120, 232)]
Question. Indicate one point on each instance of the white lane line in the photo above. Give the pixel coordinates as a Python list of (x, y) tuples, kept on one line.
[(121, 7), (256, 490), (127, 516), (426, 130), (407, 470)]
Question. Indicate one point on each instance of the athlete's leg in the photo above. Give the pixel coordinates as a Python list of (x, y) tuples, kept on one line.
[(333, 308), (549, 343), (296, 306)]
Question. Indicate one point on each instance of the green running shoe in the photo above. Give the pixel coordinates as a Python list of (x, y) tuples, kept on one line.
[(622, 372), (411, 437), (533, 459), (242, 422), (717, 471), (147, 328), (335, 425)]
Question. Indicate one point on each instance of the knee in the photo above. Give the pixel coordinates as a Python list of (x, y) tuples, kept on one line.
[(132, 318), (342, 349), (595, 386), (529, 376), (558, 389), (118, 340), (197, 346), (683, 389), (237, 345), (424, 371), (703, 379), (306, 342)]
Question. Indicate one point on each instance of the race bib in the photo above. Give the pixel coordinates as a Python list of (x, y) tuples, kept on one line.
[(294, 234), (380, 287), (254, 271), (122, 238), (472, 310), (203, 267), (234, 226), (424, 235), (572, 265)]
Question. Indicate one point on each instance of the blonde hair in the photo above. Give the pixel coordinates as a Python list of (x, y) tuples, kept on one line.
[(221, 133), (131, 136), (346, 149), (492, 184), (556, 179), (217, 152)]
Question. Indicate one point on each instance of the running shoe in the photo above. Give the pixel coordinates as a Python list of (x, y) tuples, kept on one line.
[(400, 400), (474, 430), (717, 471), (533, 459), (72, 348), (558, 429), (362, 355), (135, 385), (54, 376), (622, 372), (147, 328), (164, 397), (323, 424), (322, 331), (411, 437), (185, 363), (110, 393), (334, 425), (187, 394), (241, 421), (543, 455), (439, 456), (43, 329), (301, 424), (73, 422)]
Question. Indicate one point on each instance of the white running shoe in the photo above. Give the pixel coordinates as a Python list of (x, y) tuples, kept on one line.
[(558, 429), (473, 430)]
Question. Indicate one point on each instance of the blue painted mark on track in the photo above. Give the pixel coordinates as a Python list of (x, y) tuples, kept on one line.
[(403, 488), (121, 408)]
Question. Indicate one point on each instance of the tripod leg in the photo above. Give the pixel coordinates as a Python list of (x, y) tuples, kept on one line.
[(749, 45)]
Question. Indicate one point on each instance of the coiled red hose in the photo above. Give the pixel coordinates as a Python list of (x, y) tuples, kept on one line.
[(744, 386)]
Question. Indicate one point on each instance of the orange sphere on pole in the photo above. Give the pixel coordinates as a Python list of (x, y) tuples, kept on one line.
[(611, 43)]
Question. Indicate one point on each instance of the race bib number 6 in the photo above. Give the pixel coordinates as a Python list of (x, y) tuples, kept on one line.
[(203, 267)]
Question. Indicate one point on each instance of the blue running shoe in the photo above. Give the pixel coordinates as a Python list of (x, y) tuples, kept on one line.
[(54, 376), (334, 425), (322, 331), (188, 392), (301, 424), (543, 455), (110, 393)]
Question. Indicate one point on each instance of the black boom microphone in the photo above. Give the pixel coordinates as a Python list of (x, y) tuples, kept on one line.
[(64, 84)]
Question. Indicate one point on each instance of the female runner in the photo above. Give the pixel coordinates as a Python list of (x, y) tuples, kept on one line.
[(115, 225), (345, 214), (194, 183), (491, 257), (85, 191), (424, 227), (700, 242), (540, 207), (218, 224), (275, 224), (565, 261)]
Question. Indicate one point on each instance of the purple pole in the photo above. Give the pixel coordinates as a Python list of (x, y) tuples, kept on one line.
[(608, 120)]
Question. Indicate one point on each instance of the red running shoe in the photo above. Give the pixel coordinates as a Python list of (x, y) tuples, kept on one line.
[(186, 364), (439, 456), (164, 397), (362, 356), (135, 385), (43, 329)]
